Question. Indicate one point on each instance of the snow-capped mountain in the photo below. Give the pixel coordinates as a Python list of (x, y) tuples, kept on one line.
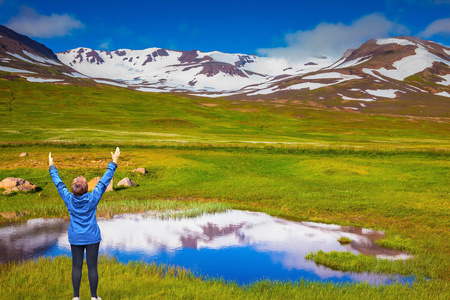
[(394, 75), (388, 61), (156, 69), (385, 68)]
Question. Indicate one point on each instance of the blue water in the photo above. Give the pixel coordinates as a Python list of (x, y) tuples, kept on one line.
[(243, 247)]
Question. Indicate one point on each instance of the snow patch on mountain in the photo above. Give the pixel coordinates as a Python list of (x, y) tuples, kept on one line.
[(356, 99), (14, 70), (446, 80), (444, 94), (401, 42), (307, 85), (110, 83), (332, 75), (20, 57), (76, 75), (411, 65), (371, 73), (384, 93), (40, 59), (353, 63), (41, 80)]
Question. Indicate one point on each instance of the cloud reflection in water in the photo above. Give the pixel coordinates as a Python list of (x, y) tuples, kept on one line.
[(236, 245)]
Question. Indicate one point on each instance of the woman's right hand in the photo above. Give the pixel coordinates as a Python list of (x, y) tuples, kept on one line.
[(50, 159), (116, 155)]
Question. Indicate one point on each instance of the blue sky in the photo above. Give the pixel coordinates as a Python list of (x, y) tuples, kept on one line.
[(285, 28)]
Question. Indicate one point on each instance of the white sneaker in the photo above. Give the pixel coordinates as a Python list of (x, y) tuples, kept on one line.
[(98, 298), (76, 298)]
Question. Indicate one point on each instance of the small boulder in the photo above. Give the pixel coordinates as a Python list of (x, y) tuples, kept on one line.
[(23, 154), (140, 170), (126, 182), (17, 184), (93, 183)]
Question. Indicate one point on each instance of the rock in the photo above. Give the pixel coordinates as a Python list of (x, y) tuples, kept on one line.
[(92, 184), (23, 154), (140, 170), (16, 184), (126, 182)]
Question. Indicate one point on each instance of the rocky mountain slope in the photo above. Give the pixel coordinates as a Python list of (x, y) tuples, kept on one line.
[(21, 55)]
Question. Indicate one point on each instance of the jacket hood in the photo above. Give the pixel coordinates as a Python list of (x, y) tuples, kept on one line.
[(80, 201)]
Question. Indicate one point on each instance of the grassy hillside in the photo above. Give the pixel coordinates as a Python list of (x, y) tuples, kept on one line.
[(101, 114)]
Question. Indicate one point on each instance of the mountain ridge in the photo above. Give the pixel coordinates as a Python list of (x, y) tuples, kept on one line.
[(401, 75)]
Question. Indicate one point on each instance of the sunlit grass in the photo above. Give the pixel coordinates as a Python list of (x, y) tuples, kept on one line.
[(347, 261), (105, 114), (50, 279)]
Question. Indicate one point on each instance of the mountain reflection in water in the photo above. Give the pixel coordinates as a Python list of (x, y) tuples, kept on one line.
[(236, 245)]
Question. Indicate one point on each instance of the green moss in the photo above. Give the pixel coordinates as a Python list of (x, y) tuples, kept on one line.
[(343, 240)]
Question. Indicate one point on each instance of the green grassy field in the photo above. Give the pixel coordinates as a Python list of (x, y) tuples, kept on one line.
[(34, 112), (377, 171)]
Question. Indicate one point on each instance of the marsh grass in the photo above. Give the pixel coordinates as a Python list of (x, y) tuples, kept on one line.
[(161, 208), (50, 279), (347, 261)]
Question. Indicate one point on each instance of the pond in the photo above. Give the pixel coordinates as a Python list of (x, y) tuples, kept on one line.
[(236, 245)]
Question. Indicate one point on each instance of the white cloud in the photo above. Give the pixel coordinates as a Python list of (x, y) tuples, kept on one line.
[(333, 40), (106, 44), (30, 23), (441, 27)]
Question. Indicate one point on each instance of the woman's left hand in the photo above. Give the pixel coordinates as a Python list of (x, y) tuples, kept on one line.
[(50, 159)]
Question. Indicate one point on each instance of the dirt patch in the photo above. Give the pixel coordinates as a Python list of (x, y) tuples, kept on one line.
[(208, 104), (14, 214), (315, 104)]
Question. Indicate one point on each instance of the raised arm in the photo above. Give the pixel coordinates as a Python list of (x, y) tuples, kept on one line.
[(101, 186), (60, 186)]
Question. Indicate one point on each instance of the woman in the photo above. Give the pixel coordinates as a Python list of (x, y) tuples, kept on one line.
[(84, 232)]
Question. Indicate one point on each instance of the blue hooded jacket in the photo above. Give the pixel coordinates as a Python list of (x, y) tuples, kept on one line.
[(83, 228)]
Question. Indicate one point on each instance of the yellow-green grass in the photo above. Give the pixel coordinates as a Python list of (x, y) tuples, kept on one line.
[(50, 279), (36, 112), (347, 261)]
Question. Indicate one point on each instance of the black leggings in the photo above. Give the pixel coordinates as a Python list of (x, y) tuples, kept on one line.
[(77, 266)]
